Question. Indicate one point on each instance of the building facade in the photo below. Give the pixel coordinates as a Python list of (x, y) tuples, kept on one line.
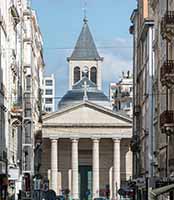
[(49, 93), (21, 68), (121, 94), (152, 141), (86, 144)]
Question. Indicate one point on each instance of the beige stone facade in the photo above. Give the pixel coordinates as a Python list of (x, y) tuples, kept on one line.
[(101, 143)]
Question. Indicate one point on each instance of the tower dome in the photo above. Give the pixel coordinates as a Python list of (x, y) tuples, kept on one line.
[(84, 90)]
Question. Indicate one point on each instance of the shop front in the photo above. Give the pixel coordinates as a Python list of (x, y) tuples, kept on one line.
[(3, 186)]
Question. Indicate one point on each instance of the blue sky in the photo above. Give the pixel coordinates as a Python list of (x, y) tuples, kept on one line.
[(61, 22)]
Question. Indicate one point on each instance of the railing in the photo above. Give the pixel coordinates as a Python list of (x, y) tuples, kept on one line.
[(167, 73), (167, 25), (169, 17), (167, 118), (16, 108)]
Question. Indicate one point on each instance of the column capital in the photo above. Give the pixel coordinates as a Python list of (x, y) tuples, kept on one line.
[(53, 138), (74, 139), (95, 139), (116, 140)]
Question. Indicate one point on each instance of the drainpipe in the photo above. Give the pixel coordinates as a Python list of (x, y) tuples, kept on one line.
[(150, 114)]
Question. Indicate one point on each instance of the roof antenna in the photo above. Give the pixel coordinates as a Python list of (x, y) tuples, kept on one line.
[(85, 12)]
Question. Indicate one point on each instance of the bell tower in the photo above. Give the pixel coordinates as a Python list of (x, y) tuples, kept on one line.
[(85, 56)]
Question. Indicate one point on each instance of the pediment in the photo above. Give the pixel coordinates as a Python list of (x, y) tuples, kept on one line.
[(86, 114)]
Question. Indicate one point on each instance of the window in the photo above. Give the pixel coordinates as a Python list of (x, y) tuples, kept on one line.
[(49, 100), (48, 109), (28, 83), (13, 132), (48, 82), (49, 92), (76, 74), (94, 75)]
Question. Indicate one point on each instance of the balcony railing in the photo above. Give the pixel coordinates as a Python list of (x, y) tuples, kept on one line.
[(167, 122), (14, 12), (16, 107), (167, 25), (167, 73)]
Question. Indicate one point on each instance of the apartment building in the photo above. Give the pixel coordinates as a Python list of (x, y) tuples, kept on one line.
[(121, 94), (152, 142), (21, 69), (49, 93)]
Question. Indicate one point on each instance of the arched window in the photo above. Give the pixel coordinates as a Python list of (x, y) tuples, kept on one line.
[(85, 71), (94, 75), (76, 74)]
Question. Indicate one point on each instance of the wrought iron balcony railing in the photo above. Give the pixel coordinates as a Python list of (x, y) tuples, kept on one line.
[(167, 73), (16, 108), (167, 25), (167, 122)]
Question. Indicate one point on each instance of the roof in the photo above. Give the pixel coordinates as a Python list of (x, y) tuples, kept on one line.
[(77, 94), (85, 48), (80, 83)]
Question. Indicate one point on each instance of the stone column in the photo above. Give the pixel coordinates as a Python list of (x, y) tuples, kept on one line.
[(95, 166), (110, 181), (75, 170), (54, 165), (116, 168)]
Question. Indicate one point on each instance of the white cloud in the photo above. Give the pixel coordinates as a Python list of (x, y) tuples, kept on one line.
[(116, 59), (113, 66)]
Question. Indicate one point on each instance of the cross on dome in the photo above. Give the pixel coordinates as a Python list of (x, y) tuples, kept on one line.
[(85, 86)]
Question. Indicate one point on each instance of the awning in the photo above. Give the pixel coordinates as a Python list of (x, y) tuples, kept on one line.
[(156, 192)]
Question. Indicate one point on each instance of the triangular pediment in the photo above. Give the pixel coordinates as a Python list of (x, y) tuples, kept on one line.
[(86, 113)]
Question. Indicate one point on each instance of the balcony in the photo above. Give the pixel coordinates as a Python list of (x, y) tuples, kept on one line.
[(16, 110), (167, 73), (14, 13), (167, 122), (167, 26), (135, 143)]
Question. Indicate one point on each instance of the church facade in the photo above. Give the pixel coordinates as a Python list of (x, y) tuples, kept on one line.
[(85, 144)]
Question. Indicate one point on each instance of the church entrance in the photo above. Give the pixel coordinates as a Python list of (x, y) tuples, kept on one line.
[(85, 182)]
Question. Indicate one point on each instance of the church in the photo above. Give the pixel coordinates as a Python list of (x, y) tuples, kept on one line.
[(85, 144)]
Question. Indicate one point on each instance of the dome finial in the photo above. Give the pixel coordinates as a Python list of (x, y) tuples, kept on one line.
[(85, 11), (85, 19)]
